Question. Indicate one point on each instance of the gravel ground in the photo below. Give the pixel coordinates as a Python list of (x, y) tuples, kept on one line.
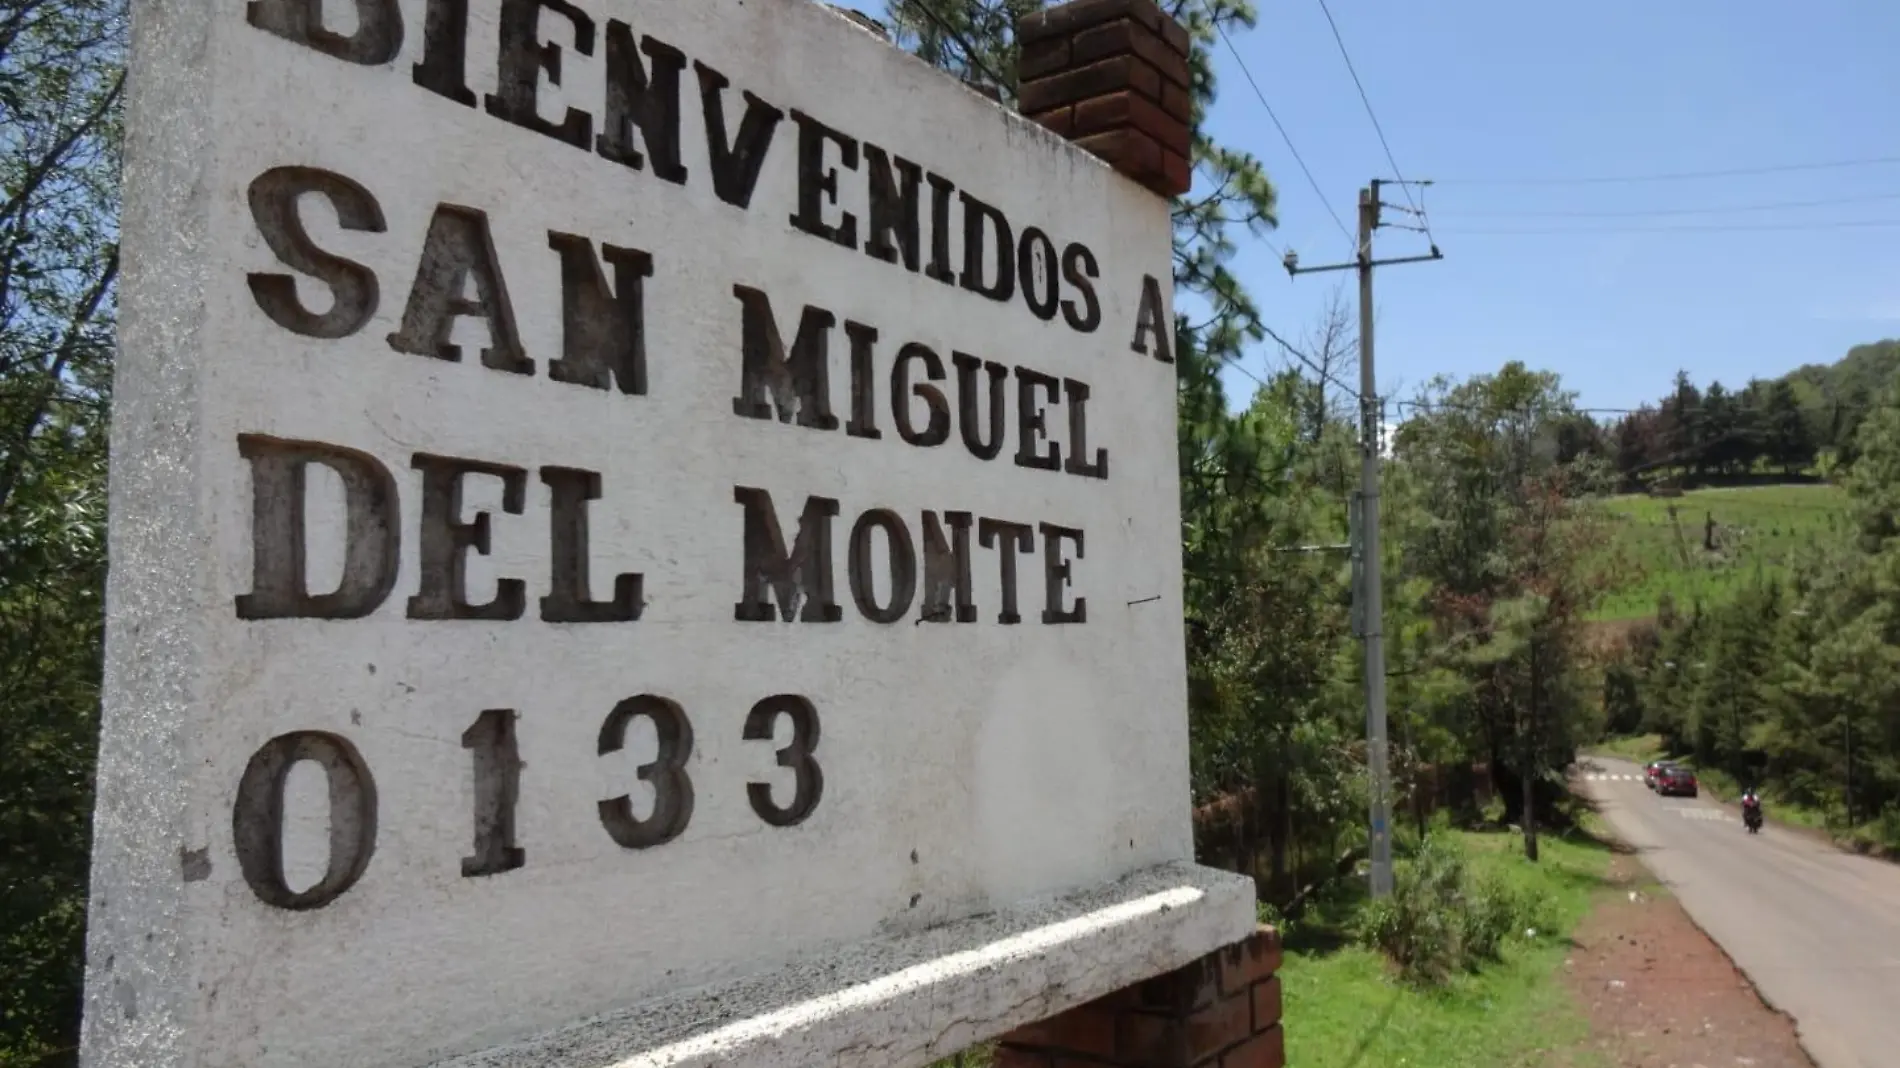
[(1660, 994)]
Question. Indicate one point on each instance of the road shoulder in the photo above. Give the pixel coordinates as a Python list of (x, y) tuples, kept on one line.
[(1657, 991)]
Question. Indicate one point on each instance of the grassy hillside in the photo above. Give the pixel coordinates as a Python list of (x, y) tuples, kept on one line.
[(1756, 527)]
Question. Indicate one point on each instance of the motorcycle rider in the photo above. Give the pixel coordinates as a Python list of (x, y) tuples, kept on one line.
[(1751, 807)]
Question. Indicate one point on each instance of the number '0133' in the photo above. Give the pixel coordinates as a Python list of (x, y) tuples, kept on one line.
[(257, 818)]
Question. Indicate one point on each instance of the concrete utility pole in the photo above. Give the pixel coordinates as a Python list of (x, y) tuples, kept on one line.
[(1372, 411), (1371, 583)]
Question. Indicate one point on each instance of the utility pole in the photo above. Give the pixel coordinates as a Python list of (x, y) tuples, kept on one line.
[(1371, 591)]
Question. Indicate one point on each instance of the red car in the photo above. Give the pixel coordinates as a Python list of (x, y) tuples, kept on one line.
[(1651, 770), (1674, 780)]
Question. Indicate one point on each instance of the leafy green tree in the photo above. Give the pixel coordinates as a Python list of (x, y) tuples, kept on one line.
[(1719, 434), (60, 86), (974, 39), (1787, 439), (1578, 436), (1638, 444), (1498, 527), (1679, 430)]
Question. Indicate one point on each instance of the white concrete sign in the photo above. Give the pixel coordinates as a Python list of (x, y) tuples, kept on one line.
[(611, 497)]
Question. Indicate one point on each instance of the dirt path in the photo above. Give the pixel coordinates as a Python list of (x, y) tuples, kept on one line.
[(1660, 994)]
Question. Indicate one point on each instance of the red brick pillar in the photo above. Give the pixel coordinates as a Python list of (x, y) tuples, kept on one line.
[(1222, 1011), (1112, 76)]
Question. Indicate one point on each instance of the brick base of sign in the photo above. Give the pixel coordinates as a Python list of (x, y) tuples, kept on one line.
[(1113, 77), (1221, 1011)]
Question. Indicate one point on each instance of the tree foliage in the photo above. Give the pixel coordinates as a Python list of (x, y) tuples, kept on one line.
[(61, 77), (1795, 686)]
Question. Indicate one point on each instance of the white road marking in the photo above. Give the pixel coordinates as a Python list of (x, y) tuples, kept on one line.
[(1702, 813)]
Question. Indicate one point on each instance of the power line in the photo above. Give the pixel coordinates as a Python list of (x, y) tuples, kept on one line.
[(1738, 228), (1677, 176), (1284, 136), (1404, 186), (1234, 362), (1308, 361), (1654, 408), (1651, 212)]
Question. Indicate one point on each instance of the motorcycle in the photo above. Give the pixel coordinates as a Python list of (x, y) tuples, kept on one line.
[(1751, 813)]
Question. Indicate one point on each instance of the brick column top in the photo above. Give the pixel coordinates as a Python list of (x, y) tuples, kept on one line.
[(1113, 76)]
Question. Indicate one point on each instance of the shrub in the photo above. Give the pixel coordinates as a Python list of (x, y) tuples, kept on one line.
[(1413, 926), (1490, 912), (1441, 917), (1890, 828)]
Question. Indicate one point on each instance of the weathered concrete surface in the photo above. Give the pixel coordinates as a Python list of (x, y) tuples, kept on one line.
[(387, 771), (1815, 929), (907, 1000)]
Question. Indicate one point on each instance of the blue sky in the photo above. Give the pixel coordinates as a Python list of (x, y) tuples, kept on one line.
[(1475, 91)]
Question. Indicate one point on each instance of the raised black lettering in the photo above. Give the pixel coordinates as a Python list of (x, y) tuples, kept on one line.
[(524, 57), (459, 246), (808, 779), (800, 580), (569, 599), (377, 39), (444, 65), (672, 789), (1080, 271), (863, 421), (603, 332), (442, 592), (969, 407), (1032, 422), (895, 182), (1151, 321), (1057, 575), (497, 790), (937, 431), (800, 380), (900, 553), (371, 537), (650, 103), (736, 161), (1040, 274), (947, 569), (941, 189), (257, 818), (982, 225), (274, 197), (1076, 397), (818, 182), (1008, 539)]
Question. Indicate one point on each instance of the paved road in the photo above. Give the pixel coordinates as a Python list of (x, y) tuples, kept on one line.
[(1816, 929)]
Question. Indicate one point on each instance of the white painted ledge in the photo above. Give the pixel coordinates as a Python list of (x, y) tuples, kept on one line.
[(906, 1000)]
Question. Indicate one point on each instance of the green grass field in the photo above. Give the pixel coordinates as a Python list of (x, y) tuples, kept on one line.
[(1639, 748), (1344, 1009), (1760, 528)]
